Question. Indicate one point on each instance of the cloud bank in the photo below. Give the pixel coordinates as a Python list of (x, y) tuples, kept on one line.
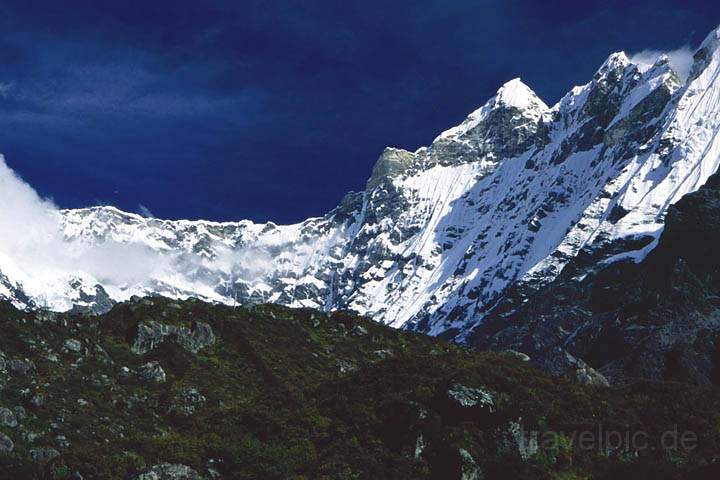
[(36, 253), (680, 59), (34, 249)]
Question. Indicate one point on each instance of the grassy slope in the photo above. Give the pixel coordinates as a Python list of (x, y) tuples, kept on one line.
[(300, 394)]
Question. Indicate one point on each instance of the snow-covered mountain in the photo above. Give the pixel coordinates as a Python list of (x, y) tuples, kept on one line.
[(505, 199)]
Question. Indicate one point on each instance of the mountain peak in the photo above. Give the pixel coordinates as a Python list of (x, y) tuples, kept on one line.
[(616, 61), (515, 93), (712, 40)]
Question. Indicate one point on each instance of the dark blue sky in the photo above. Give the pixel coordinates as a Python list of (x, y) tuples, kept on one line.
[(273, 110)]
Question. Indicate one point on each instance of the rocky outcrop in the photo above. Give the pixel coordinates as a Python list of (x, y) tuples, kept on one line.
[(186, 402), (6, 444), (43, 454), (73, 345), (462, 403), (169, 471), (656, 319), (7, 418), (470, 468), (466, 397), (515, 440), (20, 367), (269, 402), (150, 334), (587, 376)]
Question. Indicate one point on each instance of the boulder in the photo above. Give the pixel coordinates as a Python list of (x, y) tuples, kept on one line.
[(6, 444), (37, 400), (43, 454), (7, 418), (19, 412), (169, 471), (345, 366), (359, 330), (20, 368), (586, 375), (152, 372), (72, 345), (383, 354)]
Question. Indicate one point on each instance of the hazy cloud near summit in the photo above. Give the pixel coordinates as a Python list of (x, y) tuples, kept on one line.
[(32, 242), (681, 60)]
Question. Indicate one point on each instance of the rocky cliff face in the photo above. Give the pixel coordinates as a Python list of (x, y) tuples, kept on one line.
[(658, 319), (470, 226)]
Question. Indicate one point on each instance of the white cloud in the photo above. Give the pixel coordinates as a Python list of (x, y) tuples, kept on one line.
[(35, 252), (681, 60), (145, 211), (34, 249)]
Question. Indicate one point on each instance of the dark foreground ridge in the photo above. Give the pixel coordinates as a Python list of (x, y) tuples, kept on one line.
[(157, 389)]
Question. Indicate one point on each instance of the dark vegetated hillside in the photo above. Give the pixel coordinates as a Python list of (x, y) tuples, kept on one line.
[(274, 393)]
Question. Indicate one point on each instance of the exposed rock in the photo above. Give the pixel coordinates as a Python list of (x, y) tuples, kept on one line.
[(7, 418), (462, 403), (186, 402), (656, 320), (102, 355), (6, 444), (559, 362), (345, 367), (515, 354), (150, 334), (383, 354), (63, 442), (73, 345), (20, 368), (514, 440), (588, 376), (152, 372), (43, 454), (37, 400), (20, 413), (359, 330), (419, 446), (470, 469), (168, 471), (467, 397)]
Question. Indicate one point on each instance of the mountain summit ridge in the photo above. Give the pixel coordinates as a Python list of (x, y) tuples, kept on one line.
[(506, 198)]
